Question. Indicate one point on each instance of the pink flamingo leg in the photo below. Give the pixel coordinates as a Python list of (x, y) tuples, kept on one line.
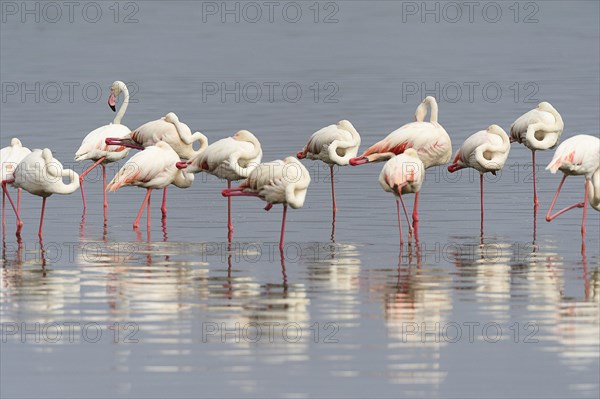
[(82, 176), (410, 229), (163, 207), (399, 221), (536, 203), (481, 199), (104, 193), (19, 201), (15, 209), (415, 214), (585, 200), (148, 212), (281, 238), (3, 210), (550, 217), (42, 217), (229, 224), (333, 191), (136, 223)]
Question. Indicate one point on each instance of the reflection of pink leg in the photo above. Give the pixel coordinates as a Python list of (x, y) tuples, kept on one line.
[(136, 223), (229, 224), (550, 217), (82, 176), (281, 239), (163, 207), (42, 217)]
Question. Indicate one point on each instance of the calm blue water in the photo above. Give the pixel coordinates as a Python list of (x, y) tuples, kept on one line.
[(176, 312)]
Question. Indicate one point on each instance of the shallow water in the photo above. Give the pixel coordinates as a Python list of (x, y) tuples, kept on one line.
[(348, 316)]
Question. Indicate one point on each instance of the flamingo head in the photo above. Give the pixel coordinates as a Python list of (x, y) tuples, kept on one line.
[(115, 91), (181, 165), (359, 161)]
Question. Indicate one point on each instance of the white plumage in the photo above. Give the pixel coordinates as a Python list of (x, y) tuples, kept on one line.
[(484, 151), (538, 129), (333, 144), (11, 156)]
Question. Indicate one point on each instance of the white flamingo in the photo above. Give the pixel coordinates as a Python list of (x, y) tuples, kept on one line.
[(39, 173), (484, 151), (403, 174), (10, 157), (94, 147), (334, 145), (538, 129), (168, 129), (429, 139), (277, 182), (231, 158), (153, 168), (578, 155)]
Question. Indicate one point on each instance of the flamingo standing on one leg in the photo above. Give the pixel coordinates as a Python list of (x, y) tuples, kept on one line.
[(538, 129), (39, 173), (484, 151), (231, 158), (403, 174), (277, 182), (578, 155), (153, 168), (10, 157), (429, 139), (170, 130), (95, 148), (334, 145)]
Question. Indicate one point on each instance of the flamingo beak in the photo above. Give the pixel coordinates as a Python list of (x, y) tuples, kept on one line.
[(112, 102), (359, 161), (181, 165), (300, 155), (268, 207)]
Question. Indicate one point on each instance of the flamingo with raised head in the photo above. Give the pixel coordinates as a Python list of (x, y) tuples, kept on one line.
[(168, 129), (154, 168), (403, 174), (538, 129), (39, 173), (231, 158), (485, 151), (94, 146), (277, 182), (334, 145), (10, 157), (578, 155), (429, 139)]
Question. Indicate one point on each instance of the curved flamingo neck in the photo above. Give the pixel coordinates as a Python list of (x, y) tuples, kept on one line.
[(123, 106), (434, 109)]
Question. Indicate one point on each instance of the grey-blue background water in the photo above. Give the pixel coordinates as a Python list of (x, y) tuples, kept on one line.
[(181, 288)]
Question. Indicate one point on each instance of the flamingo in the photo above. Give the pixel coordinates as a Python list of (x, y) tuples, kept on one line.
[(11, 156), (578, 155), (231, 158), (403, 174), (538, 129), (39, 173), (170, 130), (94, 147), (153, 168), (484, 151), (277, 182), (334, 145), (429, 139)]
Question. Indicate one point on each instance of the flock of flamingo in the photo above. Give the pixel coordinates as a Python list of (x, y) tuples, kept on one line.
[(168, 157)]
